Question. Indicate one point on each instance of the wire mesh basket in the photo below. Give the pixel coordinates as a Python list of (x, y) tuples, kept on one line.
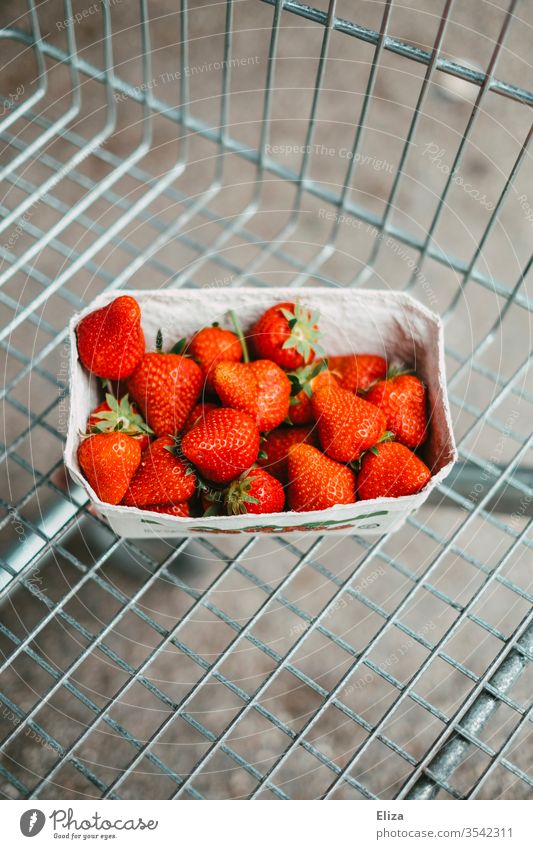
[(265, 142)]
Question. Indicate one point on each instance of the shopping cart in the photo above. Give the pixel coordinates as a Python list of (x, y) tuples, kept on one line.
[(274, 142)]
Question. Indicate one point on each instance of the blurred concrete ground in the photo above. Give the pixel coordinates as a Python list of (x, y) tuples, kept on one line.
[(495, 141)]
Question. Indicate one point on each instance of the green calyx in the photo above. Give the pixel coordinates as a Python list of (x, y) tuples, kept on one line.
[(304, 333), (120, 417), (238, 494), (179, 347), (302, 379), (398, 371)]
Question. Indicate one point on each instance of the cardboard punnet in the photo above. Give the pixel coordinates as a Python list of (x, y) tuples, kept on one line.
[(391, 324)]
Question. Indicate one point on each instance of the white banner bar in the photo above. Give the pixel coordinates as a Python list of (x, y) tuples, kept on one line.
[(307, 824)]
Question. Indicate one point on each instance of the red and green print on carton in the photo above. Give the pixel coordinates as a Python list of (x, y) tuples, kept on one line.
[(321, 525)]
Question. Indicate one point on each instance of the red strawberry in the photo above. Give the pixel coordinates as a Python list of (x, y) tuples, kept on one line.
[(255, 492), (111, 340), (213, 345), (347, 425), (181, 509), (391, 470), (112, 414), (223, 445), (260, 389), (162, 477), (166, 388), (316, 482), (402, 399), (109, 461), (287, 334), (357, 371), (236, 386), (274, 392), (276, 447), (304, 382), (198, 413)]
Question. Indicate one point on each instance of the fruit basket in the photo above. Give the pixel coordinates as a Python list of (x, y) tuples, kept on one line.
[(392, 325)]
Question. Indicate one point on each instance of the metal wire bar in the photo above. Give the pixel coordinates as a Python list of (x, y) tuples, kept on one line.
[(471, 718), (315, 189), (402, 48), (392, 618)]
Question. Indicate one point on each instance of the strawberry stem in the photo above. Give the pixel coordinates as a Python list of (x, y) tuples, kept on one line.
[(238, 330), (159, 342)]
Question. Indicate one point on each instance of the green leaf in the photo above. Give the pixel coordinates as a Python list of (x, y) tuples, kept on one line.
[(263, 455), (159, 341), (287, 314), (179, 347), (250, 499)]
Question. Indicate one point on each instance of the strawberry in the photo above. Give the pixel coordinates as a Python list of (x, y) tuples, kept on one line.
[(197, 414), (223, 445), (163, 477), (261, 389), (287, 334), (111, 340), (213, 345), (236, 386), (391, 469), (274, 391), (255, 492), (304, 382), (109, 461), (347, 425), (316, 482), (356, 372), (402, 398), (166, 387), (119, 415), (276, 448), (181, 509)]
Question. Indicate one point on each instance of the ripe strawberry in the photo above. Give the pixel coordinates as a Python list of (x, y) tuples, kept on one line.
[(304, 382), (236, 386), (163, 477), (166, 388), (274, 392), (181, 509), (223, 445), (109, 461), (287, 334), (197, 414), (276, 448), (260, 389), (347, 425), (111, 340), (112, 414), (391, 470), (255, 492), (356, 372), (402, 399), (213, 345), (316, 482)]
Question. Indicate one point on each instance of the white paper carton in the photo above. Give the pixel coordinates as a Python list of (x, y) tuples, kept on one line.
[(391, 324)]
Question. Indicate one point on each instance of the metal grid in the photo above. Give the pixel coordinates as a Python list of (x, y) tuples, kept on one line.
[(289, 667)]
